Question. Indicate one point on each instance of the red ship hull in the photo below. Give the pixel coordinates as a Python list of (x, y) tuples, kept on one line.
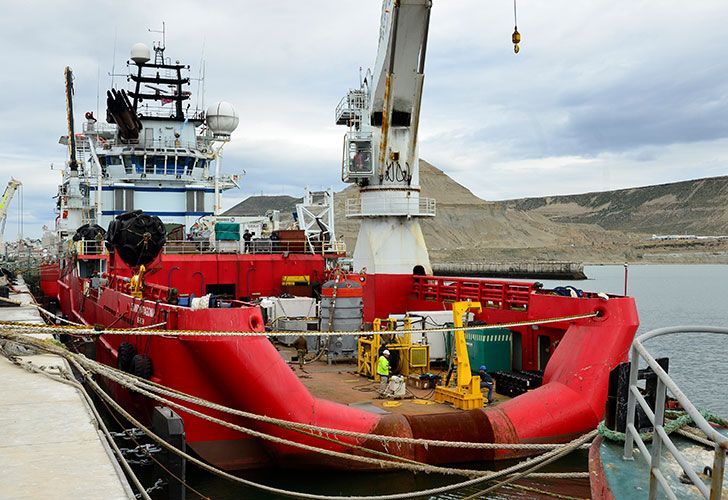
[(249, 374)]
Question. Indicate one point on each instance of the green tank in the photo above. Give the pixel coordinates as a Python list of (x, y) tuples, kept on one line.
[(492, 348)]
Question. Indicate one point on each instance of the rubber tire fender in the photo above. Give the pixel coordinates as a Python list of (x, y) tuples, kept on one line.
[(125, 355), (142, 366)]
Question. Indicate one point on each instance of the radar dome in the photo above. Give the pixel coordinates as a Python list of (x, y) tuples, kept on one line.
[(222, 119), (140, 53)]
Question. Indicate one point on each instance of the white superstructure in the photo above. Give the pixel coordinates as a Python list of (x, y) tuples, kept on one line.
[(155, 152)]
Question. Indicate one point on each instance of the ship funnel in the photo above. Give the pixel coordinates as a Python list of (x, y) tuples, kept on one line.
[(140, 54), (222, 120)]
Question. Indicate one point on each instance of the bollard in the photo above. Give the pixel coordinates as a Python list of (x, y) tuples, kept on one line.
[(169, 426)]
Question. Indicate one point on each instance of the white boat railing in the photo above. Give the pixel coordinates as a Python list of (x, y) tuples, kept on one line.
[(397, 207), (260, 246), (351, 106), (90, 247), (660, 437), (104, 135)]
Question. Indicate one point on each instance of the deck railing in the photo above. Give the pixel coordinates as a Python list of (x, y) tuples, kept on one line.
[(262, 246), (490, 293), (660, 437), (90, 247), (397, 207)]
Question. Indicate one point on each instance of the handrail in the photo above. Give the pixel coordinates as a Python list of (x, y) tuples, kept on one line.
[(660, 437), (497, 294), (257, 246), (355, 207), (90, 247)]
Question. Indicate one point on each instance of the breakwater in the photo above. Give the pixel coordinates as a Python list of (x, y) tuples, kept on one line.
[(534, 270)]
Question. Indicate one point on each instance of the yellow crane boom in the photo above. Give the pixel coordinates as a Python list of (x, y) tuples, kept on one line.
[(12, 186)]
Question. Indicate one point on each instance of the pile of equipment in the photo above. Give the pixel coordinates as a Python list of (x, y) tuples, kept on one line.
[(515, 383)]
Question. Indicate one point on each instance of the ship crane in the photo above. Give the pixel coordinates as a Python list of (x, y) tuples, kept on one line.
[(13, 185), (380, 153)]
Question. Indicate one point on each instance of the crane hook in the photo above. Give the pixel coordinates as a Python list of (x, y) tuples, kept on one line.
[(516, 38)]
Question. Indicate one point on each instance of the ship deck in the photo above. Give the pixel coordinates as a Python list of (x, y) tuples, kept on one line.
[(631, 478), (339, 382)]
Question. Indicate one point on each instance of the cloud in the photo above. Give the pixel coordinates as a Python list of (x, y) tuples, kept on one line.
[(602, 94)]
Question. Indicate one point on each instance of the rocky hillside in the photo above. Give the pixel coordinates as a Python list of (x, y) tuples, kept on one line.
[(690, 207), (595, 227), (469, 229)]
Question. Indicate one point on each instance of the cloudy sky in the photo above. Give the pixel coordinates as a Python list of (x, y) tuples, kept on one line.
[(603, 94)]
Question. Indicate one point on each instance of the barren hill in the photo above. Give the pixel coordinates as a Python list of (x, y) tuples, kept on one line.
[(689, 207), (469, 229), (612, 226)]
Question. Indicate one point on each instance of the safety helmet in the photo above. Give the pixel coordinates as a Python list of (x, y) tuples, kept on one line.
[(385, 352), (482, 368)]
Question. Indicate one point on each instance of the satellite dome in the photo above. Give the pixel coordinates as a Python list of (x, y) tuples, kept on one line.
[(222, 119), (140, 53)]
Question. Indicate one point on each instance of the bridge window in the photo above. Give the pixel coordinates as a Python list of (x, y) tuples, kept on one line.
[(124, 199), (134, 163), (128, 167), (155, 164), (196, 201), (112, 160), (181, 163)]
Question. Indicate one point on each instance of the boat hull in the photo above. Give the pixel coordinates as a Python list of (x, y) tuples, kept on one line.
[(248, 373)]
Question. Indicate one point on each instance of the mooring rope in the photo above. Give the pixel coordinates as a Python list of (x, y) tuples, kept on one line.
[(80, 361), (66, 378), (40, 309), (113, 374), (89, 330), (270, 489), (682, 419)]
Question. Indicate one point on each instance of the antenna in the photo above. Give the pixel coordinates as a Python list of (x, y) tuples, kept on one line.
[(204, 69), (163, 31), (98, 87), (113, 62), (201, 77)]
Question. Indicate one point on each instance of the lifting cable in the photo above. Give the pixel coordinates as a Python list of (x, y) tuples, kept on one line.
[(516, 37)]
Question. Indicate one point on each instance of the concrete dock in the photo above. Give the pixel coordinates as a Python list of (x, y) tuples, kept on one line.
[(50, 444)]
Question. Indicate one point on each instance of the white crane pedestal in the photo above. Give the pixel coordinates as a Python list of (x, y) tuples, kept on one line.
[(380, 156)]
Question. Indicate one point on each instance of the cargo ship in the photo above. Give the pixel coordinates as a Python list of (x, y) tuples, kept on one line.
[(171, 262)]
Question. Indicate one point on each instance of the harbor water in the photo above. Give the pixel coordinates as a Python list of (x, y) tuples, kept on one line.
[(666, 295), (672, 295)]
